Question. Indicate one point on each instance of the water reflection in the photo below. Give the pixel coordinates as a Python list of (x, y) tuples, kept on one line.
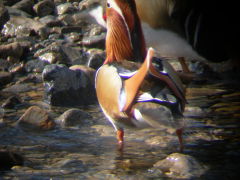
[(90, 150)]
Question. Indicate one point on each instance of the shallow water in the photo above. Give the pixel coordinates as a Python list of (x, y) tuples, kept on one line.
[(90, 151)]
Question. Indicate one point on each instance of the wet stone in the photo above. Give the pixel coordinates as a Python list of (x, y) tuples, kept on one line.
[(67, 163), (35, 118), (73, 117), (44, 8), (64, 87), (180, 166)]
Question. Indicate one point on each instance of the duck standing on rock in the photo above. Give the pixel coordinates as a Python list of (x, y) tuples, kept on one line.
[(134, 88)]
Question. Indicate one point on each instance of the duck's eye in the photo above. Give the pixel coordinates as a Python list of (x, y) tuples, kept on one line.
[(108, 5)]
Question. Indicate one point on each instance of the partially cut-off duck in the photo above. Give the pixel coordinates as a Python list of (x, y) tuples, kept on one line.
[(145, 93), (164, 33)]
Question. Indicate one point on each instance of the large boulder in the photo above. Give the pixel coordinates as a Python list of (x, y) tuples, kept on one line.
[(66, 87)]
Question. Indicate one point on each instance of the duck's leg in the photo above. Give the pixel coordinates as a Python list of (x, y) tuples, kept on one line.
[(120, 135), (179, 133), (183, 64)]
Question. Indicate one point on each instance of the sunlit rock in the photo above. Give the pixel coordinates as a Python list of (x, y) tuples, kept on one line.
[(65, 8), (59, 53), (181, 166), (36, 118), (21, 26)]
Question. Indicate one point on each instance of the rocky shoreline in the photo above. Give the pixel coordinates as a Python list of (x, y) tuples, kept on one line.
[(50, 122)]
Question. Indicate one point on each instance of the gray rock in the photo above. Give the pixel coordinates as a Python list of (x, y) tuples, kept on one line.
[(25, 5), (35, 66), (36, 118), (65, 8), (90, 72), (181, 166), (50, 21), (59, 53), (94, 41), (21, 26), (96, 58), (73, 117), (67, 20), (44, 8), (4, 16), (65, 87)]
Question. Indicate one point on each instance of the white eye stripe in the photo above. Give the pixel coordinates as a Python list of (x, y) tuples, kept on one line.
[(113, 4)]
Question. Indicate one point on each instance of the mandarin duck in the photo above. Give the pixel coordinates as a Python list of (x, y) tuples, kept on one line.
[(161, 31), (134, 88)]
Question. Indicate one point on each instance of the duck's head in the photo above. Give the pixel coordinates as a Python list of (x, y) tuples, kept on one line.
[(124, 33)]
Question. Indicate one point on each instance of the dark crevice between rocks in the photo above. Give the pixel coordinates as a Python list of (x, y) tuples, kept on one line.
[(9, 159)]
